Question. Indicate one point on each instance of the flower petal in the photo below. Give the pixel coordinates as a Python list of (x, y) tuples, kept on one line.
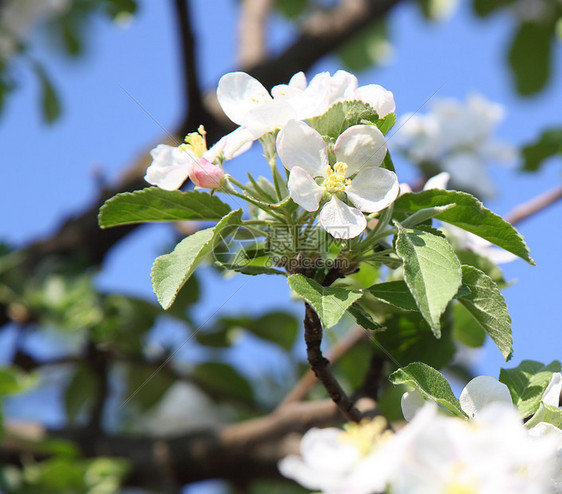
[(552, 392), (359, 147), (341, 220), (304, 190), (482, 391), (170, 167), (373, 189), (377, 97), (439, 181), (231, 145), (411, 403), (238, 93), (300, 145)]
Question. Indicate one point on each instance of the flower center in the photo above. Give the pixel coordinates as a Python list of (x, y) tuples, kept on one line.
[(367, 434), (195, 142), (461, 482), (335, 177)]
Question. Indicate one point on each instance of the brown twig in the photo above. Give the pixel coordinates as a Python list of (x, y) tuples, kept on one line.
[(305, 384), (251, 31), (529, 208), (321, 366)]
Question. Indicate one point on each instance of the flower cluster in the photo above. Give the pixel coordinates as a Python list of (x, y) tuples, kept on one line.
[(456, 138), (338, 179), (437, 453)]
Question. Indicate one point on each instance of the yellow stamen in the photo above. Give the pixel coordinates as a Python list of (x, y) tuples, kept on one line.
[(195, 142), (367, 434), (335, 180)]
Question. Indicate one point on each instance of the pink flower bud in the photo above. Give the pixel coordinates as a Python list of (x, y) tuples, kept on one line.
[(204, 174)]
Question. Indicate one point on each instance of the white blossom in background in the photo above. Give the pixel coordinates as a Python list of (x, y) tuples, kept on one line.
[(182, 409), (337, 461), (457, 138), (475, 397), (356, 175), (17, 18)]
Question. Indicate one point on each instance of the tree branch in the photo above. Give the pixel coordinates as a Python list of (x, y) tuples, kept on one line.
[(321, 366), (252, 40), (238, 452), (529, 208), (308, 380)]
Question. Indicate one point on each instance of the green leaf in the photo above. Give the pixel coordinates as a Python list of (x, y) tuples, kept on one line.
[(171, 271), (291, 8), (341, 116), (425, 214), (277, 327), (546, 413), (549, 144), (81, 392), (386, 123), (145, 386), (408, 338), (221, 379), (329, 303), (50, 103), (395, 293), (155, 204), (431, 271), (469, 214), (483, 8), (466, 329), (529, 57), (487, 306), (430, 383), (527, 383), (365, 48), (363, 318)]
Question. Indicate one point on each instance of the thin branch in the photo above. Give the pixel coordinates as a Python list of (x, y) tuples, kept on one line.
[(252, 40), (192, 89), (237, 452), (321, 366), (305, 384), (529, 208)]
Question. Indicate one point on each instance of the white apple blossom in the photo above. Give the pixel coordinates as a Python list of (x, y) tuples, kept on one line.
[(476, 395), (248, 103), (337, 461), (17, 17), (456, 138), (356, 175), (171, 165)]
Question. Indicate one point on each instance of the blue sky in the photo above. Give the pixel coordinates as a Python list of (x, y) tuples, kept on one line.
[(50, 171)]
